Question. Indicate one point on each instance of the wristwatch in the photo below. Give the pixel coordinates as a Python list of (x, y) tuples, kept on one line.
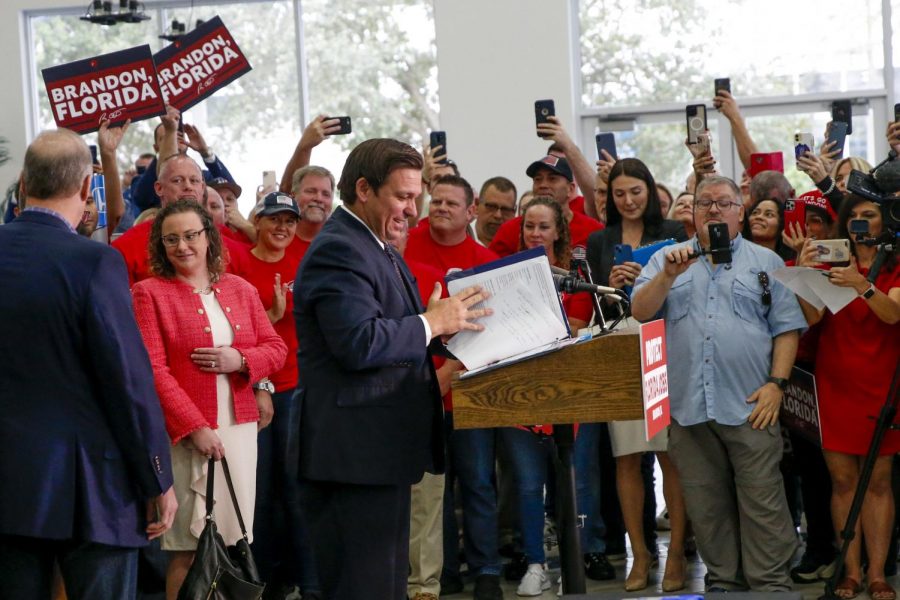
[(779, 381), (869, 292), (265, 385)]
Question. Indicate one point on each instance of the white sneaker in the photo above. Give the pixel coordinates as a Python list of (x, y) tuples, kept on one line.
[(534, 582)]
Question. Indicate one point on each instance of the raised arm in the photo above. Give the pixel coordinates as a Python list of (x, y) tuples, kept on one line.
[(108, 139), (314, 134), (168, 144), (728, 106), (582, 170)]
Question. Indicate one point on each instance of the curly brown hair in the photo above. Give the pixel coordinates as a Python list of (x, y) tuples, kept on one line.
[(562, 250), (159, 261)]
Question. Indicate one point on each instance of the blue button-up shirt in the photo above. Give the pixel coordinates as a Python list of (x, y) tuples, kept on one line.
[(719, 333)]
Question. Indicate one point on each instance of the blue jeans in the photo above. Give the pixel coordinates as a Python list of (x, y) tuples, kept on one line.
[(89, 570), (529, 460), (281, 543), (471, 455)]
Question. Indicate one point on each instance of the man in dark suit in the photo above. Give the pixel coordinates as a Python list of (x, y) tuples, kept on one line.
[(371, 416), (84, 456)]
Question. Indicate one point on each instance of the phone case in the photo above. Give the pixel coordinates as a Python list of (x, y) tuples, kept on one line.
[(794, 214), (841, 110), (723, 83), (606, 141), (622, 254), (833, 251), (837, 133), (765, 161), (696, 121), (803, 142)]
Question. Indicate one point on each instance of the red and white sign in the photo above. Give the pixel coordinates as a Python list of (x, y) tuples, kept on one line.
[(115, 87), (198, 64), (654, 377)]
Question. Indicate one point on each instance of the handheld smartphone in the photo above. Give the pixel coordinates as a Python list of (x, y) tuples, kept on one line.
[(719, 243), (859, 227), (833, 251), (841, 111), (94, 158), (606, 141), (269, 180), (344, 124), (622, 253), (765, 161), (794, 214), (803, 142), (723, 83), (439, 138), (542, 110), (837, 133), (897, 112), (696, 121)]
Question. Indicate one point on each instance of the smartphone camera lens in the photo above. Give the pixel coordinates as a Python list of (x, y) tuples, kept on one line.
[(697, 123), (545, 112)]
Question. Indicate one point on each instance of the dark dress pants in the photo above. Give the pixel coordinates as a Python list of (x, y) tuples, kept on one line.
[(360, 538)]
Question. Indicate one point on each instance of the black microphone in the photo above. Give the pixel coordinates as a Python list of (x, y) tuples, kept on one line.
[(573, 285), (887, 177)]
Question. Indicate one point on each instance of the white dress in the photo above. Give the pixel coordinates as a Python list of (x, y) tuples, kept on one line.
[(189, 466)]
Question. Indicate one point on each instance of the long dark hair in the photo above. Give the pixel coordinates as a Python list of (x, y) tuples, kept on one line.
[(562, 251), (652, 217), (850, 202), (781, 249), (159, 261)]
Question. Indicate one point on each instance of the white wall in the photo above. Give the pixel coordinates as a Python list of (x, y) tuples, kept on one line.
[(494, 60)]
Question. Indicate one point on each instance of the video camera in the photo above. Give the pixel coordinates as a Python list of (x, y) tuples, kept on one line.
[(881, 186)]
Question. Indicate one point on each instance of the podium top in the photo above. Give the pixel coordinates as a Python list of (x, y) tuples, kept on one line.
[(591, 382)]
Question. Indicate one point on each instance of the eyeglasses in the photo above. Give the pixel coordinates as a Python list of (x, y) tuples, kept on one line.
[(722, 205), (763, 279), (189, 237), (504, 210)]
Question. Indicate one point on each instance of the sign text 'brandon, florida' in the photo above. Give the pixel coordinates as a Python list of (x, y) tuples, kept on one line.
[(201, 62), (115, 87)]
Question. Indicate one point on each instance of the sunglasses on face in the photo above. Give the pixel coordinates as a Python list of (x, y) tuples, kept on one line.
[(763, 279)]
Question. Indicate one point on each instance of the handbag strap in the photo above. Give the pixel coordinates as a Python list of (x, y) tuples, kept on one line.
[(211, 468)]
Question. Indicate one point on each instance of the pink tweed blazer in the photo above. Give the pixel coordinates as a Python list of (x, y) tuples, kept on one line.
[(172, 322)]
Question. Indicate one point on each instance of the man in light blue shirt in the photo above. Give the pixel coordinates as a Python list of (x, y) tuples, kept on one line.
[(732, 334)]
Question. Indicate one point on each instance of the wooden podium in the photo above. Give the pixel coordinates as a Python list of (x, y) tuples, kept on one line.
[(590, 382)]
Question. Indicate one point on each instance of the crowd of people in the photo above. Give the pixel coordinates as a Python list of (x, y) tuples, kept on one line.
[(304, 343)]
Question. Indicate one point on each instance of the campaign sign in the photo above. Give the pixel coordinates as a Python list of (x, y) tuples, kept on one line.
[(201, 62), (654, 377), (800, 406), (115, 87)]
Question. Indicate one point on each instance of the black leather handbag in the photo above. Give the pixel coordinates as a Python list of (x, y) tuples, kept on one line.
[(221, 572)]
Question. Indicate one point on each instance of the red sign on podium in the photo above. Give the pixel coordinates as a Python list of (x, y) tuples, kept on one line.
[(655, 377)]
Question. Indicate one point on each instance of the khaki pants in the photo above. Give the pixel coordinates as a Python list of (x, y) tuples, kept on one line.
[(426, 539)]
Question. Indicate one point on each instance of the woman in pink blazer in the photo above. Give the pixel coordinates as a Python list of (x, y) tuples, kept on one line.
[(209, 340)]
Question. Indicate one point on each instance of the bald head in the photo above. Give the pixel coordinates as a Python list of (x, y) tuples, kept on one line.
[(56, 165), (214, 205), (179, 178)]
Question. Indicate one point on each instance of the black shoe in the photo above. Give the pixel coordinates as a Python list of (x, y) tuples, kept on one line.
[(451, 584), (598, 568), (515, 569), (811, 569), (487, 587)]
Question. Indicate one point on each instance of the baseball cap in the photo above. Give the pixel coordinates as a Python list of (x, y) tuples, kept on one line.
[(557, 164), (218, 183), (815, 199), (276, 202)]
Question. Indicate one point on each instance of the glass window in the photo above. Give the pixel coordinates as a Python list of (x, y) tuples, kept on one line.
[(661, 147), (380, 68), (663, 51)]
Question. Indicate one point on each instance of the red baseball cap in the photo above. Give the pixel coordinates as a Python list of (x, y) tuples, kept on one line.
[(815, 199)]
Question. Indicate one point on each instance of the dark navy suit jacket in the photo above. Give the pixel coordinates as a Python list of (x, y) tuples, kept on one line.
[(82, 438), (371, 410)]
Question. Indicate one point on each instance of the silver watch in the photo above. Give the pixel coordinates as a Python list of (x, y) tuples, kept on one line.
[(265, 385)]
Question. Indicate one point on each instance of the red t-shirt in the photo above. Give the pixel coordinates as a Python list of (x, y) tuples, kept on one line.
[(578, 306), (421, 247), (261, 275), (133, 246), (576, 204), (238, 236), (298, 248), (506, 241)]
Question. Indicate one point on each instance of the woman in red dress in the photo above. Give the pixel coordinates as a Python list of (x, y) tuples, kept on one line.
[(859, 348)]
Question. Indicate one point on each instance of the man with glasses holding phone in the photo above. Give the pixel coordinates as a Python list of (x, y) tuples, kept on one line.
[(496, 204), (732, 332)]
